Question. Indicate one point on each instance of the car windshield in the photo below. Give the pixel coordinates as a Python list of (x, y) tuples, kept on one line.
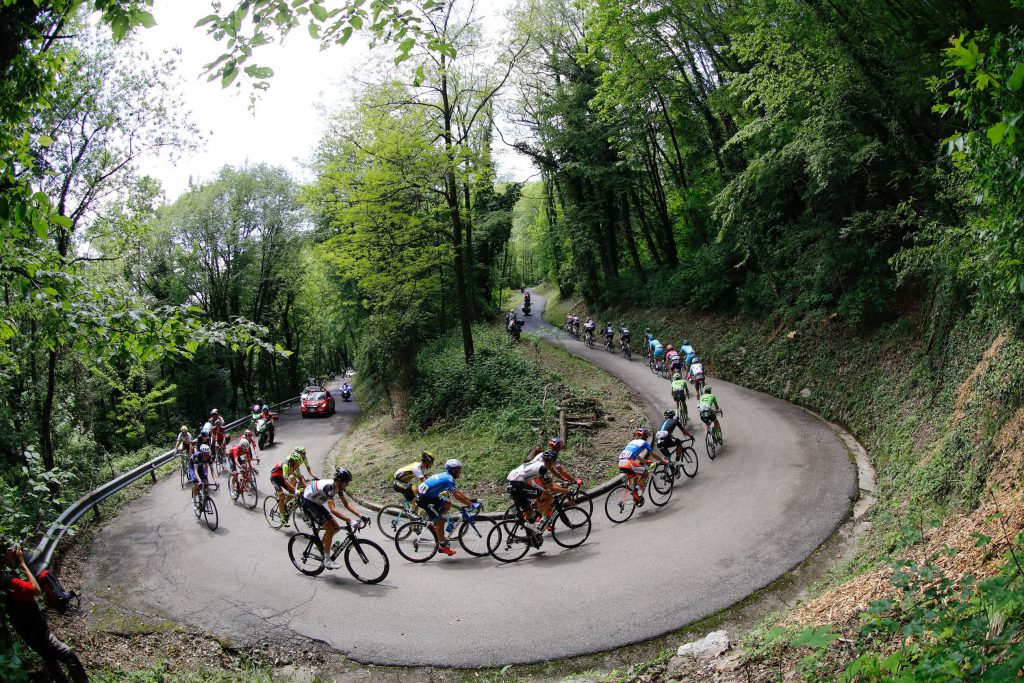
[(316, 396)]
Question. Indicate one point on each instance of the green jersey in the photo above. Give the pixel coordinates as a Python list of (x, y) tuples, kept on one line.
[(708, 401), (678, 385)]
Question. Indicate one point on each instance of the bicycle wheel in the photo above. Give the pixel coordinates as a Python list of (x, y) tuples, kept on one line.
[(302, 521), (390, 518), (709, 444), (507, 546), (473, 537), (233, 490), (662, 483), (584, 502), (197, 505), (210, 514), (619, 505), (687, 459), (249, 493), (571, 527), (184, 473), (416, 541), (366, 561), (629, 353), (272, 512), (306, 553)]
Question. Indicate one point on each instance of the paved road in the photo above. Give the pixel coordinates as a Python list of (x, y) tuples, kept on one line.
[(777, 491)]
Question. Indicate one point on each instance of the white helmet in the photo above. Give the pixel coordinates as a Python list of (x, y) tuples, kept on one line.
[(452, 464), (244, 443), (204, 448)]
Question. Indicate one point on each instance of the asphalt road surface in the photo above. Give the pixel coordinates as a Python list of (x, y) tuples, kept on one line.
[(780, 486)]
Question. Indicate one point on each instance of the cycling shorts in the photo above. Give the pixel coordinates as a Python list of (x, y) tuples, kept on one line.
[(201, 471), (633, 467), (522, 493), (278, 483), (659, 353), (679, 394), (676, 363), (406, 491), (433, 506), (318, 513), (707, 416)]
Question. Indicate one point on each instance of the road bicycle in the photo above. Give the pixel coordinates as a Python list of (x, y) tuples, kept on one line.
[(390, 517), (713, 436), (679, 397), (246, 488), (588, 339), (569, 525), (366, 561), (624, 499), (698, 385), (627, 352), (683, 458), (186, 477), (204, 507), (417, 541), (608, 346), (292, 510), (658, 366)]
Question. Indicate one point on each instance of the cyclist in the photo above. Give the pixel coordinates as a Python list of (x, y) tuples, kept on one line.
[(679, 394), (657, 351), (531, 481), (634, 465), (184, 440), (200, 466), (686, 348), (648, 336), (295, 462), (555, 445), (709, 410), (672, 357), (665, 438), (318, 502), (624, 335), (428, 498), (406, 476), (696, 375), (576, 326), (239, 456), (282, 485), (588, 327), (609, 333), (247, 435)]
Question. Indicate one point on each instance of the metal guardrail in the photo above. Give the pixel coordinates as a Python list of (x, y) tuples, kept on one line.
[(51, 539)]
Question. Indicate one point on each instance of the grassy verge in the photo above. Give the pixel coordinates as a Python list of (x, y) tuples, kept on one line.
[(491, 441)]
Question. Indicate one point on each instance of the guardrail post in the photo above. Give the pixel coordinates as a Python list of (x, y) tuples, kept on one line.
[(152, 474), (96, 510)]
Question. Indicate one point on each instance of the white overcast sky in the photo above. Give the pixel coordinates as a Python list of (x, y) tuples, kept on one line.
[(286, 124)]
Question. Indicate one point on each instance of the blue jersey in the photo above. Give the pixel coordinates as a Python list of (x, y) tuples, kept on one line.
[(633, 451), (437, 484), (658, 349), (686, 349), (690, 355)]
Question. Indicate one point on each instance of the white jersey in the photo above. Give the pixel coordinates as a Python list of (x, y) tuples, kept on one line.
[(697, 370), (320, 491), (528, 471)]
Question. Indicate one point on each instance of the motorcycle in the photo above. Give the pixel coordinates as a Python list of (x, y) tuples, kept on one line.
[(346, 394), (526, 308), (264, 429), (516, 328)]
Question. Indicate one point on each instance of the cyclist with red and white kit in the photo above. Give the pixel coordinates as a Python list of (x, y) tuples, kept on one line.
[(318, 502)]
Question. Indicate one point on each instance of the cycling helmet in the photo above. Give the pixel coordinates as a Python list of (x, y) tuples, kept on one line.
[(549, 456), (707, 389), (695, 359), (670, 348), (204, 448), (669, 414), (676, 375), (295, 458), (255, 407), (686, 342), (427, 457), (452, 464), (214, 412), (556, 444), (343, 475), (244, 443), (647, 329), (301, 450), (265, 407), (642, 433), (184, 429), (247, 433)]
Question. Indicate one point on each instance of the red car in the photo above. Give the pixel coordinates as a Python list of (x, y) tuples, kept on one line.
[(317, 403)]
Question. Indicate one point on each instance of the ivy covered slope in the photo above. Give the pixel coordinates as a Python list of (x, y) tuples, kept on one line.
[(489, 416)]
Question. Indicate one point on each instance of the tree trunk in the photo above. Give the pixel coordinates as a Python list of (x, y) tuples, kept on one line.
[(627, 228)]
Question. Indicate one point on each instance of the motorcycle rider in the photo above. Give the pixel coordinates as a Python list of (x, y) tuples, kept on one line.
[(346, 391)]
